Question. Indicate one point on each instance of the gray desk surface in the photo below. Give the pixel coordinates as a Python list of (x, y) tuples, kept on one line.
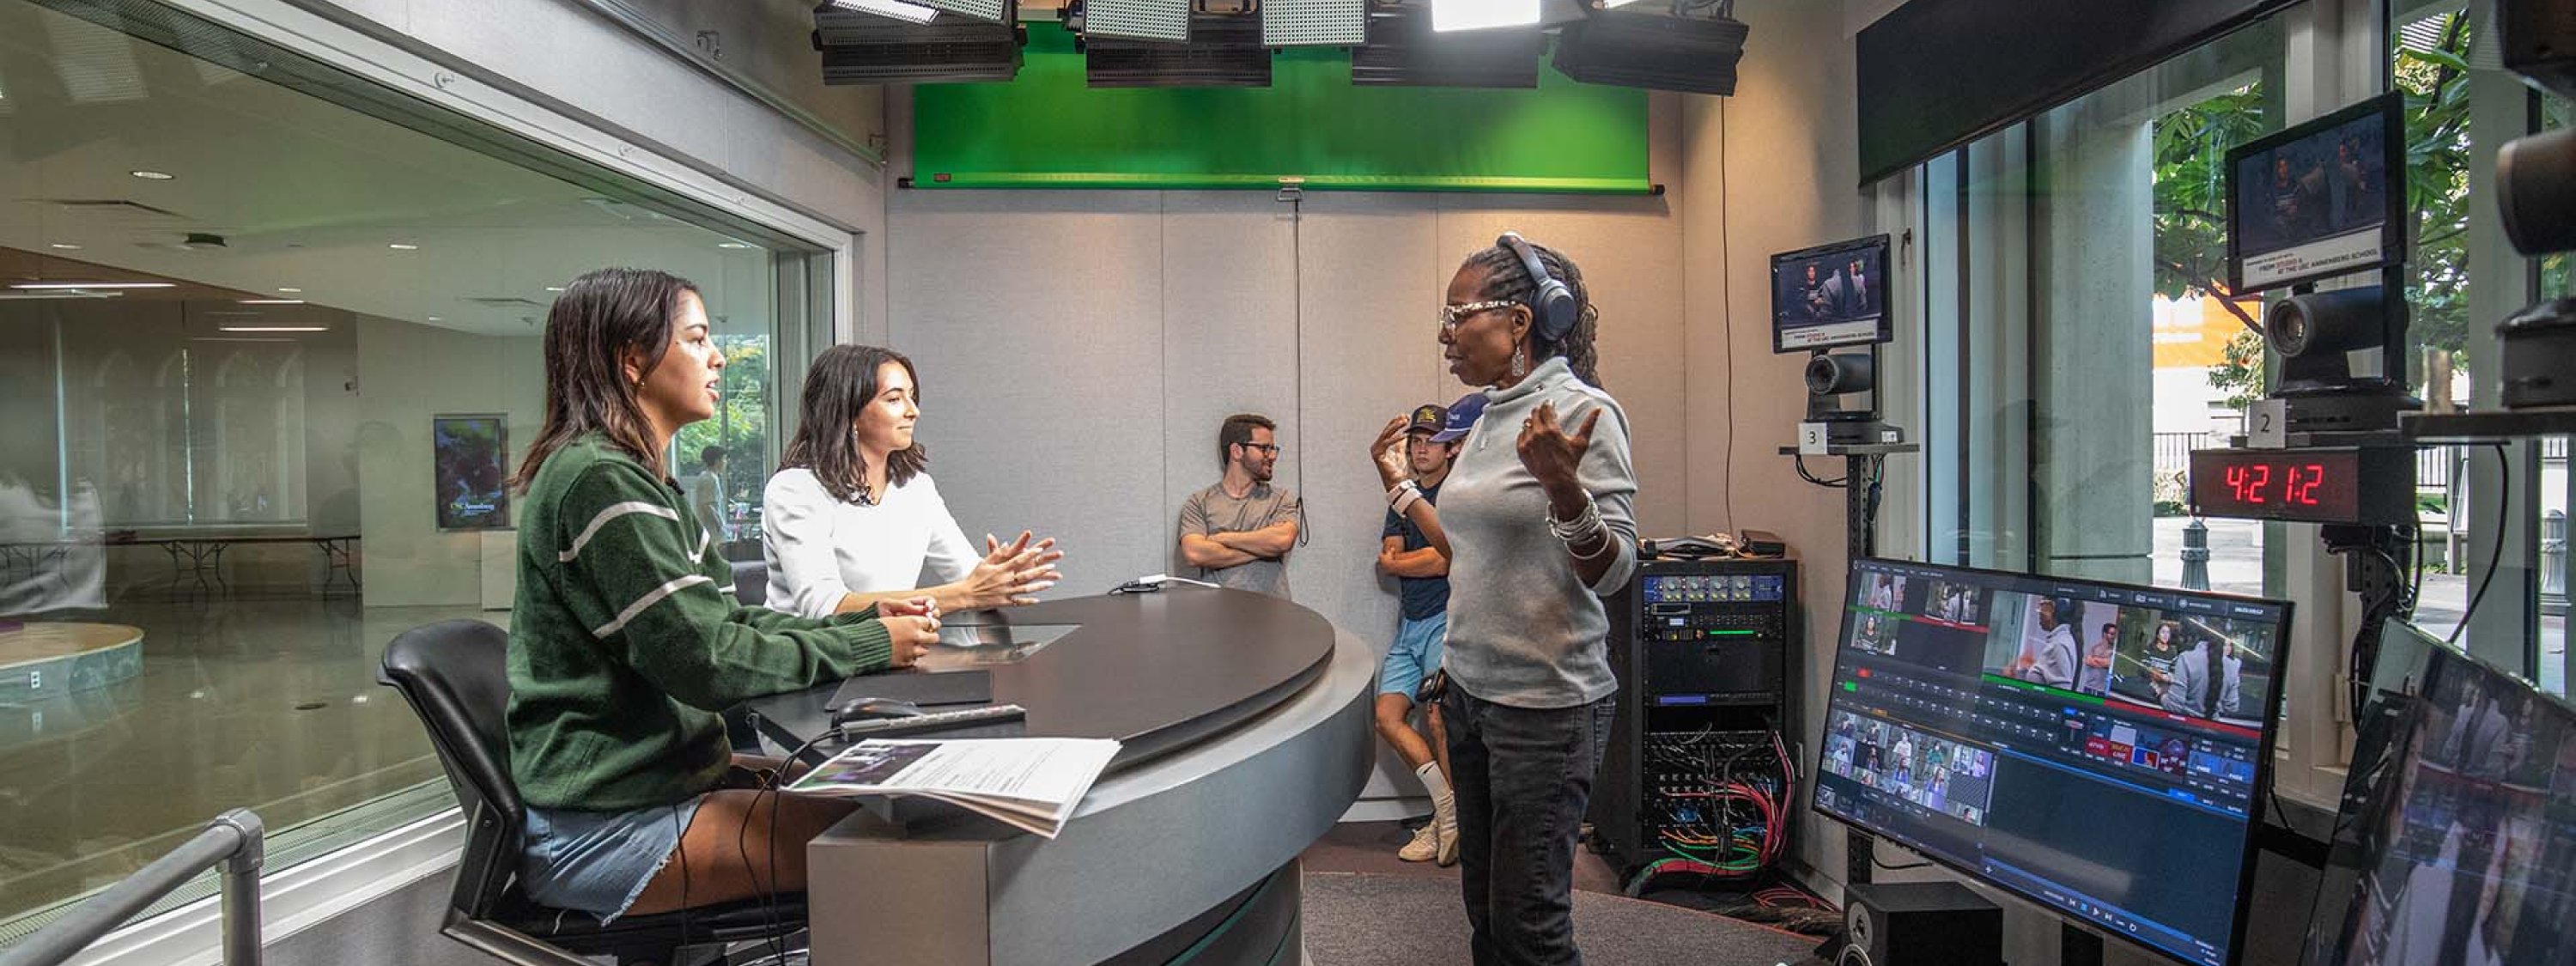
[(1154, 671)]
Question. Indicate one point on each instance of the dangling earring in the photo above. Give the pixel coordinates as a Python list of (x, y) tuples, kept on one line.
[(1519, 367)]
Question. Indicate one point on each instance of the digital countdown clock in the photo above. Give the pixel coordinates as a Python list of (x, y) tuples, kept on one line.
[(2358, 485)]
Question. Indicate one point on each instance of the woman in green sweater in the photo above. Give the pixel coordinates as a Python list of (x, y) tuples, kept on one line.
[(626, 640)]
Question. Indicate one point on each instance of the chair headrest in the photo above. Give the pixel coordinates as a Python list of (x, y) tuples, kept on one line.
[(456, 676)]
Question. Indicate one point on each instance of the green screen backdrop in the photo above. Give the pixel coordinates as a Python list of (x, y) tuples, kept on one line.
[(1049, 129)]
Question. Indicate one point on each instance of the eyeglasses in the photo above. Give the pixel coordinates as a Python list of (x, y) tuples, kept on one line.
[(1451, 315), (1268, 449)]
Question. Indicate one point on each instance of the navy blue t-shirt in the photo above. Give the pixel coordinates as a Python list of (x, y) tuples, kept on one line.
[(1423, 596)]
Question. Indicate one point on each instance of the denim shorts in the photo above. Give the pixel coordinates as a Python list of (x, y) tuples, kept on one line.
[(1413, 656), (599, 862)]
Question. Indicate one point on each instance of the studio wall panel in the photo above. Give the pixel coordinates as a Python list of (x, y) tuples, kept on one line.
[(1036, 321), (1228, 317), (1369, 355)]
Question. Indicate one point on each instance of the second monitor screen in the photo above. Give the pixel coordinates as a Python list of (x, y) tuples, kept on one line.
[(2093, 747), (1828, 297)]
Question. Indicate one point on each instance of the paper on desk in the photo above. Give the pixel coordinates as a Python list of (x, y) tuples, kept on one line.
[(1031, 783)]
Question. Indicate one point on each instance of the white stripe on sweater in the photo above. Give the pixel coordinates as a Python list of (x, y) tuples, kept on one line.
[(613, 511), (648, 600)]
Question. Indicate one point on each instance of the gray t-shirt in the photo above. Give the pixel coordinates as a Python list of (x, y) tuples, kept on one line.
[(1210, 511)]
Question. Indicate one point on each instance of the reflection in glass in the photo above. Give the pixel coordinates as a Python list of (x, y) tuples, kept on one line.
[(219, 478)]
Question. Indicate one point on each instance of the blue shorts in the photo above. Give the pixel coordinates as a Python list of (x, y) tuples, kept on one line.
[(599, 862), (1413, 656)]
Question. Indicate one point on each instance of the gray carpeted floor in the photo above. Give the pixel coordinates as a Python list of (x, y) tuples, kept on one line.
[(1386, 920)]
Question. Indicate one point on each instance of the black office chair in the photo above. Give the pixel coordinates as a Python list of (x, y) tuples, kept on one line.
[(454, 674)]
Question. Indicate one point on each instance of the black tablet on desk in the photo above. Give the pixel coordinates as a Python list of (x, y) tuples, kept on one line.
[(919, 687)]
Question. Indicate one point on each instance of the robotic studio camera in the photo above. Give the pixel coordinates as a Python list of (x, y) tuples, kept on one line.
[(1831, 301), (2316, 336), (2536, 189)]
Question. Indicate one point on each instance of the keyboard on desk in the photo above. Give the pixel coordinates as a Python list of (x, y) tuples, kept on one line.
[(980, 719)]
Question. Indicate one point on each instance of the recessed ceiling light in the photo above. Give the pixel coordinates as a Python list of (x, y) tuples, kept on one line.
[(63, 247), (33, 286), (153, 175), (554, 288), (735, 245), (272, 301), (436, 319), (400, 247), (292, 291), (275, 328)]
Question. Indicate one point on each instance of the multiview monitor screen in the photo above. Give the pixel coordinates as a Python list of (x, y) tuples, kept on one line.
[(2096, 748), (2317, 200), (1830, 296), (2456, 844)]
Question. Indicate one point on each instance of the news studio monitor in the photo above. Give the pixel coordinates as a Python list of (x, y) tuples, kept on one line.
[(2318, 200), (2095, 748)]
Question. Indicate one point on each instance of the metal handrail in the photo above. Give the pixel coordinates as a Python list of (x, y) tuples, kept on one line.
[(234, 840)]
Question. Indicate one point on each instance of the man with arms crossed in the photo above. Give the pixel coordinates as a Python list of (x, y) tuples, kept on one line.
[(1239, 531)]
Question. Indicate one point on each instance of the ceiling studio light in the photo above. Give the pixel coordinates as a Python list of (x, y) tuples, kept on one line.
[(153, 175), (736, 245), (1163, 20), (1314, 23), (1402, 50), (863, 48), (64, 247), (46, 286), (274, 328), (402, 247), (270, 301), (292, 291), (1630, 48), (1447, 15), (1224, 51), (897, 9)]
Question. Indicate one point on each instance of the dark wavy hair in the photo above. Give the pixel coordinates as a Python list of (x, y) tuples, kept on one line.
[(1507, 279), (598, 320), (840, 385)]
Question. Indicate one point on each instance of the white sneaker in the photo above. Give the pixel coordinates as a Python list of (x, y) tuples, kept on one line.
[(1425, 846)]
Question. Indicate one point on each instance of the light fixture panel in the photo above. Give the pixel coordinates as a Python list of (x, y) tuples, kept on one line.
[(1314, 23), (1164, 20)]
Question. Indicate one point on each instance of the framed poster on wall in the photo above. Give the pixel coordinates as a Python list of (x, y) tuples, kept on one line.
[(470, 458)]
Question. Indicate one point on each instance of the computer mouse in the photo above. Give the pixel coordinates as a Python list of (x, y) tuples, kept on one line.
[(865, 708)]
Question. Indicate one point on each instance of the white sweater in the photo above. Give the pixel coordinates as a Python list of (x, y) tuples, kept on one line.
[(821, 549)]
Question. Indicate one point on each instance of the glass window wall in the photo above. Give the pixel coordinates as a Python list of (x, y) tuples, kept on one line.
[(271, 356)]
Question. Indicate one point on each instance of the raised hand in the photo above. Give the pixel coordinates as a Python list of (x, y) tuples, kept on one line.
[(1552, 455), (1388, 452)]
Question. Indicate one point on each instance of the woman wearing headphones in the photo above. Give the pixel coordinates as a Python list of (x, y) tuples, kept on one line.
[(852, 518), (1535, 517)]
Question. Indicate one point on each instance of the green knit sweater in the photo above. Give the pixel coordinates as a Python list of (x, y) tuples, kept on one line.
[(626, 640)]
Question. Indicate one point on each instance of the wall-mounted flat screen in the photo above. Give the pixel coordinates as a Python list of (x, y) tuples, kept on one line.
[(471, 471)]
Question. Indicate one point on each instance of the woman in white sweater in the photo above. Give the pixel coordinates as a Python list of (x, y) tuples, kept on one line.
[(852, 518)]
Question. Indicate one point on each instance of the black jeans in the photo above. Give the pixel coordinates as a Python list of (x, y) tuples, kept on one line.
[(1522, 778)]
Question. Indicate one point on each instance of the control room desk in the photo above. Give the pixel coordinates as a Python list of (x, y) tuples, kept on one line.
[(1245, 731)]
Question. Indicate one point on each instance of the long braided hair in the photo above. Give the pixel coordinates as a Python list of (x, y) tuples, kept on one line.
[(1506, 278)]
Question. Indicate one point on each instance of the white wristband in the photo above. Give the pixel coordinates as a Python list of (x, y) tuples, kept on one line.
[(1404, 502)]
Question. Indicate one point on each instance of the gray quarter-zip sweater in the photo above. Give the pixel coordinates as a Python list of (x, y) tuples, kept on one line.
[(1524, 630)]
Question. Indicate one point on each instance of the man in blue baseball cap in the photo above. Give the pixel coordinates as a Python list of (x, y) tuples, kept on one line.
[(1422, 580)]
